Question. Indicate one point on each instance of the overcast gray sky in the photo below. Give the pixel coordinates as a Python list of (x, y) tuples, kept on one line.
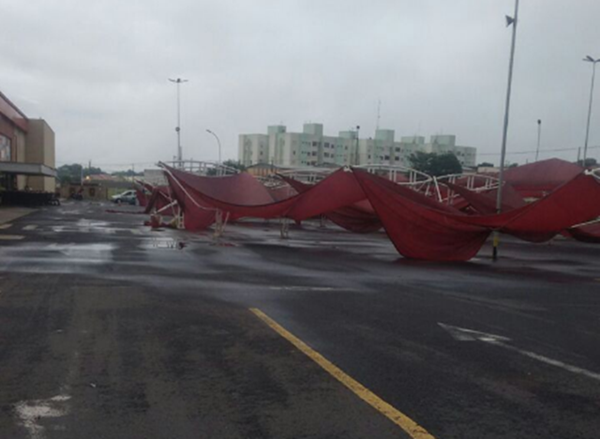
[(97, 72)]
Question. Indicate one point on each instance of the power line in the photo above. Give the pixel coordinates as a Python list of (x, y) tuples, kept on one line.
[(533, 151)]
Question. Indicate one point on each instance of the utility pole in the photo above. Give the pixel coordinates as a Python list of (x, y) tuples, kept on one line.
[(509, 21), (179, 81)]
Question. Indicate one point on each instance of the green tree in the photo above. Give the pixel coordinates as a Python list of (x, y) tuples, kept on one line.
[(72, 173), (590, 161), (435, 164)]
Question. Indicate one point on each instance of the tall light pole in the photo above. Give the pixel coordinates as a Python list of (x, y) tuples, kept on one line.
[(218, 142), (357, 158), (537, 151), (179, 81), (509, 21), (587, 130)]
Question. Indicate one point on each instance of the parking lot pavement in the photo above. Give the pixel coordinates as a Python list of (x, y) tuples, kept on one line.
[(112, 330)]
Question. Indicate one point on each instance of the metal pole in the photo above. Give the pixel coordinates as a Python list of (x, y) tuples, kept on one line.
[(587, 130), (218, 143), (179, 81), (356, 157), (514, 20), (178, 129), (537, 151)]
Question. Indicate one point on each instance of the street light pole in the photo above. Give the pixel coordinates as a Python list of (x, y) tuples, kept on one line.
[(537, 151), (587, 130), (218, 142), (179, 81), (509, 21)]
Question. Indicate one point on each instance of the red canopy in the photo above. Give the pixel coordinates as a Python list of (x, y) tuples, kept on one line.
[(485, 202), (421, 230), (358, 218), (416, 229), (539, 178), (337, 190)]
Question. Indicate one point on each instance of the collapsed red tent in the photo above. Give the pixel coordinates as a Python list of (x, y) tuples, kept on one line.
[(421, 230), (485, 202), (589, 233), (539, 178), (358, 217), (161, 201), (575, 202), (337, 190), (415, 227)]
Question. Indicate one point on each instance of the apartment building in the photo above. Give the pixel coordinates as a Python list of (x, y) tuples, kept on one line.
[(312, 147)]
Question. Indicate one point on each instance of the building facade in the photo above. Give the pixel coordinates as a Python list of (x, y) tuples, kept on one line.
[(27, 154), (312, 147)]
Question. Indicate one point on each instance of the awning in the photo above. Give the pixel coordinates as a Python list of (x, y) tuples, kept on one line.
[(37, 169)]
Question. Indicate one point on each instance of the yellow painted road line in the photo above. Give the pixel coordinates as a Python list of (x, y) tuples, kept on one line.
[(413, 429)]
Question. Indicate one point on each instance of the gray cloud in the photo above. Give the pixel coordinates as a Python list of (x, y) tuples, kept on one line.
[(98, 71)]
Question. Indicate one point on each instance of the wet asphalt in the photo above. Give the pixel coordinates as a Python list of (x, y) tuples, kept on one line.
[(111, 330)]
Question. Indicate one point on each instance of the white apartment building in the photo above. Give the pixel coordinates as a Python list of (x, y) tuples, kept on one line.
[(312, 148)]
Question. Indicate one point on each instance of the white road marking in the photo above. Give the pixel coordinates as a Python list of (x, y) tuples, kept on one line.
[(11, 237), (30, 227), (5, 226), (32, 412), (303, 288), (135, 232), (463, 334)]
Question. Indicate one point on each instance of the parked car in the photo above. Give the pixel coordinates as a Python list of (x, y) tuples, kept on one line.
[(127, 197)]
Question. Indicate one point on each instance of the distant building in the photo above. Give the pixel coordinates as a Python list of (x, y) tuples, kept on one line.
[(312, 148), (27, 155), (155, 177)]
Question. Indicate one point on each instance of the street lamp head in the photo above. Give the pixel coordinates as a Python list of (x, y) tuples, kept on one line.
[(209, 131), (590, 59)]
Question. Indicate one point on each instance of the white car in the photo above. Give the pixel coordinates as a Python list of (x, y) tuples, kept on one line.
[(128, 197)]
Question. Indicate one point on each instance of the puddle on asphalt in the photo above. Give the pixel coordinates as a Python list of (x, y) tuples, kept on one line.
[(163, 243)]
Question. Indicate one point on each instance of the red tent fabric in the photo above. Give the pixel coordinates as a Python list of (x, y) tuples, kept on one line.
[(337, 190), (358, 218), (416, 229), (196, 215), (159, 199), (485, 202), (241, 188), (199, 214), (282, 192), (420, 230), (539, 178), (589, 233), (575, 202)]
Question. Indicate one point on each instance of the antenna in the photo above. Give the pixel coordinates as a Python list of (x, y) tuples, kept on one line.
[(378, 114)]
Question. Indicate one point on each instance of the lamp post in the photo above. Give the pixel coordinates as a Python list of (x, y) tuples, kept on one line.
[(587, 130), (178, 81), (537, 151), (509, 21), (218, 142)]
